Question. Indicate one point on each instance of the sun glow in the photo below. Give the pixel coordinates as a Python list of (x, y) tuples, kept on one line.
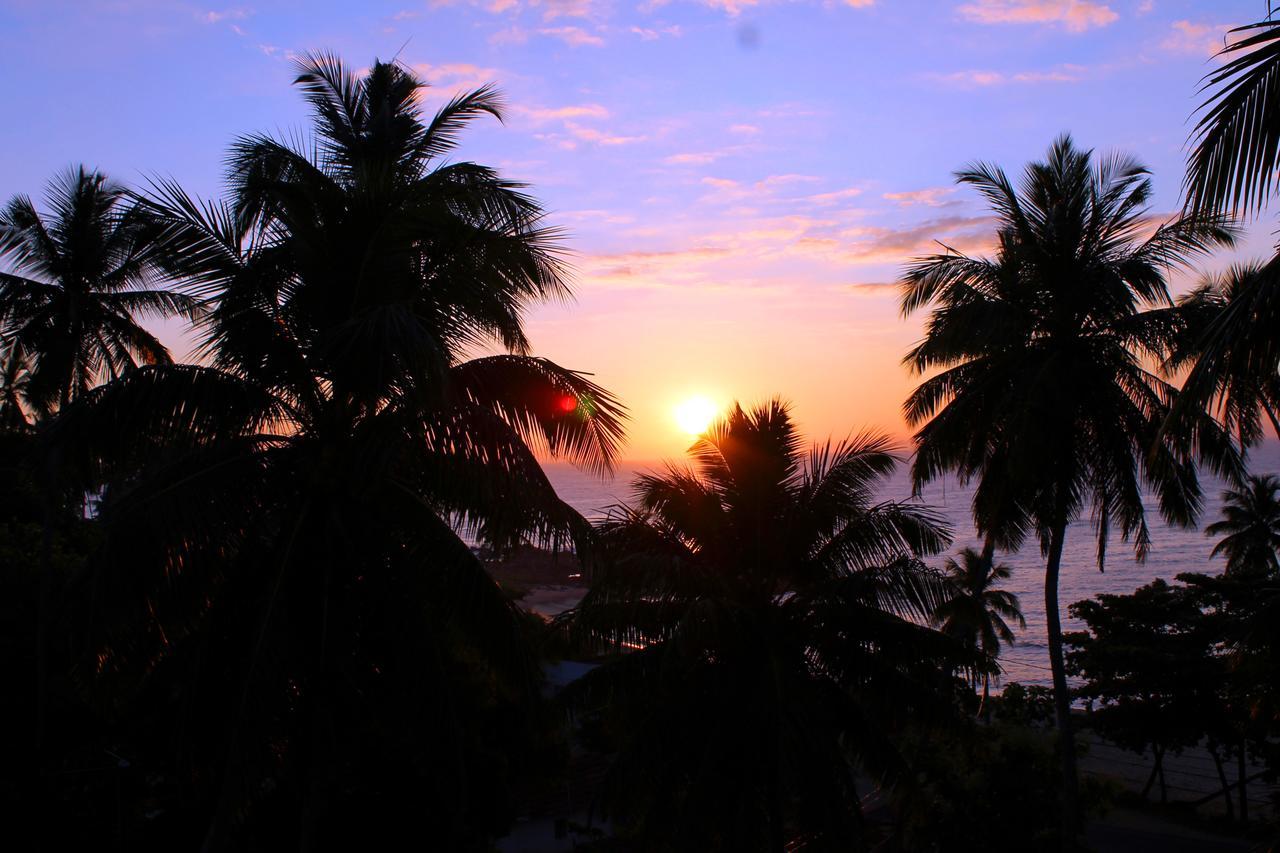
[(695, 414)]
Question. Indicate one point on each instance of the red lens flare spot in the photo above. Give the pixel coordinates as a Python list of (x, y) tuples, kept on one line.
[(568, 403)]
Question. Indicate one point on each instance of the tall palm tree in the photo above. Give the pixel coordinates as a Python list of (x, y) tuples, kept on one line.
[(285, 562), (976, 612), (760, 606), (1040, 388), (1250, 527), (1236, 142), (78, 279)]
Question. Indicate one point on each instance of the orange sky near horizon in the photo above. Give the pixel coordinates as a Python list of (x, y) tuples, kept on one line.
[(835, 357)]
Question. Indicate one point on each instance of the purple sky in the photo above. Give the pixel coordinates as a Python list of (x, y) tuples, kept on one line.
[(740, 180)]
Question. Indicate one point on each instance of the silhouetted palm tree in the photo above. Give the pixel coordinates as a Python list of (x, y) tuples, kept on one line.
[(15, 376), (975, 612), (1040, 391), (283, 563), (1225, 336), (78, 278), (1237, 139), (1232, 168), (762, 604), (1250, 527)]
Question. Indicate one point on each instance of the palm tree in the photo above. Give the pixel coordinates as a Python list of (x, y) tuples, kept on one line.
[(976, 613), (1237, 139), (1226, 327), (760, 608), (1040, 389), (15, 374), (78, 278), (1236, 145), (285, 564), (1250, 527)]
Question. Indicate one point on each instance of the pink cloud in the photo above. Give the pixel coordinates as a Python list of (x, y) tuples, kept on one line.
[(731, 7), (218, 17), (648, 34), (509, 35), (876, 288), (545, 114), (553, 9), (573, 36), (931, 197), (1074, 15), (694, 158), (1203, 39), (451, 78), (983, 78), (600, 137), (836, 196)]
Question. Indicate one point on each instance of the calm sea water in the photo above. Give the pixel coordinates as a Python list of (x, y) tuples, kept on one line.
[(1173, 550)]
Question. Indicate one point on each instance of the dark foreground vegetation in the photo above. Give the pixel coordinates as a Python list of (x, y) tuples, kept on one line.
[(243, 611)]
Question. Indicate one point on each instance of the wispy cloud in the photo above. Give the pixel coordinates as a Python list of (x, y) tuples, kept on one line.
[(652, 34), (448, 79), (1073, 15), (600, 137), (1203, 39), (553, 9), (539, 115), (549, 9), (931, 197), (694, 158), (509, 35), (573, 36), (660, 270), (979, 78), (874, 244), (874, 288), (219, 16), (836, 196), (732, 8)]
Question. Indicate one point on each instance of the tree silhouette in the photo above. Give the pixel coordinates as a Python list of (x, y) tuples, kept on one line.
[(1041, 391), (976, 612), (1250, 527), (764, 609), (285, 590), (78, 279)]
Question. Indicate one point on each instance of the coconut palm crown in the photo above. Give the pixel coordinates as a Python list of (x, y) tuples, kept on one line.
[(1038, 359), (290, 520), (78, 279), (977, 613), (765, 610), (1236, 141), (1250, 527)]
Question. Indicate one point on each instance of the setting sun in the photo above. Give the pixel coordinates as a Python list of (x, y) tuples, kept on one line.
[(695, 414)]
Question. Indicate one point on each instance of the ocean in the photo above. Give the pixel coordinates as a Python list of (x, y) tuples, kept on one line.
[(1173, 549)]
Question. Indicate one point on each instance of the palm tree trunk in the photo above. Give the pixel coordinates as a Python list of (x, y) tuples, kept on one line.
[(1164, 787), (1061, 694), (1242, 772), (1155, 771), (1226, 786)]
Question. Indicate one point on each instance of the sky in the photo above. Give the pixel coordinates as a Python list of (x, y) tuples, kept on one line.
[(740, 182)]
